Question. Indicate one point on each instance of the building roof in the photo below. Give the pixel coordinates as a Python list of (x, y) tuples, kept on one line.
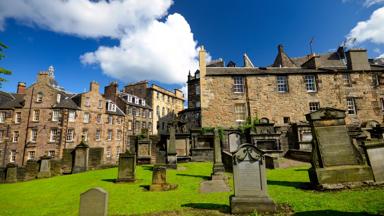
[(67, 103)]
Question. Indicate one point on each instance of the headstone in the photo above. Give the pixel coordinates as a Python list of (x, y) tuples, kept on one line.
[(375, 152), (144, 151), (171, 148), (335, 160), (159, 179), (234, 141), (11, 176), (218, 167), (45, 167), (127, 167), (80, 163), (94, 202), (31, 169), (250, 183)]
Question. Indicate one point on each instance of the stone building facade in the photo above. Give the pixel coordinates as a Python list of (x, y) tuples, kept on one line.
[(164, 103), (284, 92), (44, 119)]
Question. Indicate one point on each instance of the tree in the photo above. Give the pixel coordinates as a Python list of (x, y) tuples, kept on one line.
[(3, 70)]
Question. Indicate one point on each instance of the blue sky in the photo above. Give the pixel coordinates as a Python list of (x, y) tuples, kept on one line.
[(157, 40)]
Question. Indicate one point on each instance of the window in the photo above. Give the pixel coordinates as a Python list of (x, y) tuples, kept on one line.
[(149, 126), (150, 114), (87, 102), (238, 86), (163, 111), (129, 125), (109, 135), (51, 153), (158, 95), (129, 110), (31, 155), (70, 135), (109, 155), (143, 102), (133, 111), (58, 98), (351, 106), (110, 119), (98, 131), (137, 126), (36, 115), (314, 106), (55, 115), (12, 156), (84, 135), (144, 125), (138, 111), (98, 118), (144, 113), (39, 97), (137, 101), (282, 84), (71, 116), (347, 79), (33, 137), (286, 120), (100, 104), (54, 135), (158, 111), (310, 83), (111, 106), (117, 151), (15, 137), (240, 112), (2, 117), (197, 89), (118, 135), (375, 79), (86, 118), (17, 117)]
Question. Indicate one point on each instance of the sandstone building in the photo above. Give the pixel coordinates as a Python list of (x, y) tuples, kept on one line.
[(284, 92), (164, 103), (44, 119)]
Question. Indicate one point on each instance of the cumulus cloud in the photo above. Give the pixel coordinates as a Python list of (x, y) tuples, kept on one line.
[(371, 30), (369, 3)]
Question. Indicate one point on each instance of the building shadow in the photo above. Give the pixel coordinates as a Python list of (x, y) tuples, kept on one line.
[(333, 213), (194, 176), (208, 206), (298, 185)]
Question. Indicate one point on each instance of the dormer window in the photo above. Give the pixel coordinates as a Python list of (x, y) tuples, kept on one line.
[(130, 98), (58, 98), (39, 97), (111, 106), (137, 101), (143, 102)]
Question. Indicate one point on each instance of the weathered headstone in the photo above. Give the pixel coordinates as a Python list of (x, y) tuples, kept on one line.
[(45, 167), (127, 167), (250, 183), (31, 170), (171, 148), (335, 159), (375, 153), (144, 151), (234, 141), (94, 202), (218, 167), (80, 158), (159, 179), (11, 176)]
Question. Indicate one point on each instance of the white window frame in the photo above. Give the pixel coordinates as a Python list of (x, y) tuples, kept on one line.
[(100, 105), (238, 84), (118, 135), (36, 115), (310, 83), (71, 116), (109, 135), (15, 136), (86, 117), (129, 125), (70, 135), (53, 135), (85, 134), (52, 153), (55, 115), (2, 117), (108, 152), (12, 156), (17, 117), (98, 135), (33, 135), (39, 97), (31, 155), (240, 112), (98, 118), (351, 106), (282, 84), (314, 106), (110, 119)]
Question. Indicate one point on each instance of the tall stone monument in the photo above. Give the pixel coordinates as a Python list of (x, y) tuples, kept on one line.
[(171, 147), (218, 167), (80, 157), (127, 167), (335, 159), (250, 183), (94, 202)]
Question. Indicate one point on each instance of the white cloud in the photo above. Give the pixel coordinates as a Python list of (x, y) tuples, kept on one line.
[(369, 3), (83, 17), (371, 30), (163, 51), (381, 56)]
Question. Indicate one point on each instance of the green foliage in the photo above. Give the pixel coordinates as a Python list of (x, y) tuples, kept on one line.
[(61, 195), (205, 130), (249, 124), (3, 70)]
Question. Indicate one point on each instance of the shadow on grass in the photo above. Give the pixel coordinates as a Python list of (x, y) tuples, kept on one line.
[(332, 212), (146, 167), (109, 180), (209, 206), (145, 187), (195, 176), (301, 170), (298, 185)]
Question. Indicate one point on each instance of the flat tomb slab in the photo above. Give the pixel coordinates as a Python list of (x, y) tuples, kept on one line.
[(341, 174)]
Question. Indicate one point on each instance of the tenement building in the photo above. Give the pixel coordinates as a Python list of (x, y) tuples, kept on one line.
[(284, 92), (44, 119), (164, 103)]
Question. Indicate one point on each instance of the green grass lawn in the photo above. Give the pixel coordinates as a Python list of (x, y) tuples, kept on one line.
[(60, 195)]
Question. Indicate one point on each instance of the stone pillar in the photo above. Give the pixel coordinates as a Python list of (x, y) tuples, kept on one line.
[(45, 167), (80, 158), (218, 167), (127, 167), (171, 148), (11, 176)]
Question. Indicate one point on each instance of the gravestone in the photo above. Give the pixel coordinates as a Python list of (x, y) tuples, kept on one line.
[(218, 167), (11, 176), (171, 147), (250, 182), (127, 167), (159, 179), (234, 141), (45, 167), (31, 170), (335, 160), (375, 153), (80, 158), (144, 148), (94, 202)]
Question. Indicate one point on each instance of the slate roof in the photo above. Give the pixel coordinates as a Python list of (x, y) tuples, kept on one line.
[(15, 101), (67, 103)]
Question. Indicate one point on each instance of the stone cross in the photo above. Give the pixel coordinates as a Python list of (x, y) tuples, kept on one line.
[(94, 202), (250, 183)]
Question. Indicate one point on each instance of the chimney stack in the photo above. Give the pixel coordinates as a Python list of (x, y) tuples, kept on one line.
[(94, 86), (21, 88), (357, 59)]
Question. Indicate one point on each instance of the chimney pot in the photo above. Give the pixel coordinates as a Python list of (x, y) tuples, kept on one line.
[(21, 87)]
